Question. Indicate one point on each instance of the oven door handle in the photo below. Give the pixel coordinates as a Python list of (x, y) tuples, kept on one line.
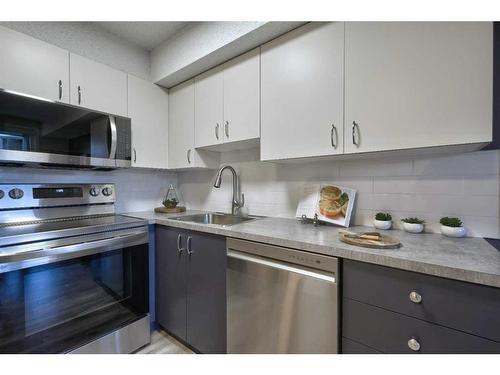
[(304, 271), (59, 253), (114, 137)]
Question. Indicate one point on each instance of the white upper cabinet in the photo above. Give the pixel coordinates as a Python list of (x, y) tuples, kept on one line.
[(208, 93), (417, 84), (97, 86), (181, 125), (302, 93), (181, 150), (30, 66), (148, 109), (227, 102), (242, 97)]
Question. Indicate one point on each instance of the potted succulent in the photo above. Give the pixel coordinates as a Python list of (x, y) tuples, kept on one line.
[(452, 227), (382, 220), (413, 224)]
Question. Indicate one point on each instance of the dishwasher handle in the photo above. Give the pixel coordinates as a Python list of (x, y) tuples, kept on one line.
[(289, 267)]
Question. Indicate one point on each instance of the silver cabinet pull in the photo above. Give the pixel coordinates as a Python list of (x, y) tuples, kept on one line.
[(413, 344), (135, 155), (217, 131), (79, 95), (189, 156), (226, 128), (60, 89), (179, 248), (415, 297), (355, 131), (188, 246), (332, 132)]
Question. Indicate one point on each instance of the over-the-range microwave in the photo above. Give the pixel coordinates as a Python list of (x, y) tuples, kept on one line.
[(44, 133)]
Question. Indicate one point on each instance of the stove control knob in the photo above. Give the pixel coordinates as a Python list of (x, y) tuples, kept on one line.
[(1, 194), (94, 192), (16, 193), (107, 191)]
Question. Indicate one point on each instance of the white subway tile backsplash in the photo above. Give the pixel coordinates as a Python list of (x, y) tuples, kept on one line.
[(383, 167), (464, 185), (468, 164)]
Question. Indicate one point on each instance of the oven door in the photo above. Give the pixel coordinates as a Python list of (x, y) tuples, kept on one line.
[(58, 299)]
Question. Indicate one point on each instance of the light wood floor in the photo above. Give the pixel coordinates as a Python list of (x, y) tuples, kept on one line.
[(163, 343)]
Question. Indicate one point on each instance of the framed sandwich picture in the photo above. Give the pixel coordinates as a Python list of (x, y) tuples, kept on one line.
[(331, 202)]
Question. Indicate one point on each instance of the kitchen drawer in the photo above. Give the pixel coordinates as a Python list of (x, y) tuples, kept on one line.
[(467, 307), (353, 347), (390, 332)]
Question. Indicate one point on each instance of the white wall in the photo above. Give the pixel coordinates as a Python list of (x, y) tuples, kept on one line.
[(136, 189), (89, 40), (200, 46), (465, 185)]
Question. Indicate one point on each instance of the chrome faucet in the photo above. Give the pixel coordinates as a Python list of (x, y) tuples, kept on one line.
[(236, 202)]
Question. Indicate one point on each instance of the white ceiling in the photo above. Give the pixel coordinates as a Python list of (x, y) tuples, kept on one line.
[(147, 35)]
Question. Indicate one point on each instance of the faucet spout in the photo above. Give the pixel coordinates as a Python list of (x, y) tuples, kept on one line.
[(236, 203)]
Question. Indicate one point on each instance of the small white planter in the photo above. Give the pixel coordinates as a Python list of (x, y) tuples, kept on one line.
[(453, 231), (382, 224), (413, 228)]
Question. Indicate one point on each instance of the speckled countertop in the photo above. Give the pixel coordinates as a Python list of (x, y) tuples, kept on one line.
[(467, 259)]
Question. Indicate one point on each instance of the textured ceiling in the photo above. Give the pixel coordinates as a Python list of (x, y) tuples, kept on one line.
[(147, 35)]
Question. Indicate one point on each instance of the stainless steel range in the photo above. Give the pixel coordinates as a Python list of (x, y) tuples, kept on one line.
[(73, 274)]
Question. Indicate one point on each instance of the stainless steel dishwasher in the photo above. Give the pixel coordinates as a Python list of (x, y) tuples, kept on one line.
[(280, 300)]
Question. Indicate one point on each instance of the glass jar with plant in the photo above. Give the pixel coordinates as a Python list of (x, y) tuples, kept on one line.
[(383, 220), (452, 227), (413, 224)]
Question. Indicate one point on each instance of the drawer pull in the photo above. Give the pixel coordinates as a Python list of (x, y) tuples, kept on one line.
[(413, 344), (415, 297)]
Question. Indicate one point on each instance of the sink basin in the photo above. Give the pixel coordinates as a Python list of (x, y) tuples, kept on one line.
[(214, 218)]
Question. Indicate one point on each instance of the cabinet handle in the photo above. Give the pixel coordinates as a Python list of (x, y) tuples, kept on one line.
[(332, 132), (79, 95), (413, 344), (217, 131), (179, 248), (415, 297), (60, 89), (188, 246), (355, 131), (189, 156), (135, 155), (226, 128)]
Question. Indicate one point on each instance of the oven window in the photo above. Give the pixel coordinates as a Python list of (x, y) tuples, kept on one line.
[(57, 307)]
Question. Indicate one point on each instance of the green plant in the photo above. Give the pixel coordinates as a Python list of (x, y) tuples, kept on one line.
[(413, 220), (170, 203), (343, 199), (451, 222), (383, 216)]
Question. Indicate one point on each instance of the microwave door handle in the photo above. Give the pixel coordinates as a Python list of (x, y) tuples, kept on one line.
[(114, 140)]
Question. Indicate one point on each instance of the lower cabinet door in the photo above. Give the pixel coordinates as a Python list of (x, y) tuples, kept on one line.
[(171, 273), (206, 293)]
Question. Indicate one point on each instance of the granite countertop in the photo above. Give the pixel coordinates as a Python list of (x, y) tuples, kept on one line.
[(467, 259)]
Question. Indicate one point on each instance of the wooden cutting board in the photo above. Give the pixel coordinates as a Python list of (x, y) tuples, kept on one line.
[(385, 242), (165, 210)]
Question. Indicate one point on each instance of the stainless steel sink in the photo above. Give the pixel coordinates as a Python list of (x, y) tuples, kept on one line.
[(214, 218)]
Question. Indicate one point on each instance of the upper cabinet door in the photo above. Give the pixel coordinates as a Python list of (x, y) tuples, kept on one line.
[(181, 126), (97, 86), (208, 88), (148, 109), (242, 97), (302, 92), (417, 84), (30, 66)]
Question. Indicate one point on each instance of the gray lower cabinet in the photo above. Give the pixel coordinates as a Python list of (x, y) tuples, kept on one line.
[(395, 311), (191, 287)]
